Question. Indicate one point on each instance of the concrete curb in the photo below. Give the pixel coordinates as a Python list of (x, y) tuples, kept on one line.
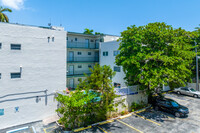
[(112, 120)]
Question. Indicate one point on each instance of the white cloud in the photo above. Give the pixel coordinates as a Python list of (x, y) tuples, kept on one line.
[(15, 4)]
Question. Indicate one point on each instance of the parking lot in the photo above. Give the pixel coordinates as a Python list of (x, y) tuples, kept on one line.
[(144, 121), (151, 121)]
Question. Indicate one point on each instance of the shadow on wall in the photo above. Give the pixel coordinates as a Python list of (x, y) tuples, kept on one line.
[(38, 97)]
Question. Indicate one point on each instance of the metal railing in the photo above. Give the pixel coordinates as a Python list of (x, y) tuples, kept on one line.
[(82, 45), (83, 59), (78, 73)]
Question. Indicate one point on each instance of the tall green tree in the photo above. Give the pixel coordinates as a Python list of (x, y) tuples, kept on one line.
[(88, 31), (3, 16), (156, 54), (101, 81)]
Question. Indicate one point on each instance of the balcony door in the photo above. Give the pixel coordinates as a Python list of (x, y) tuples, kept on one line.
[(96, 44), (71, 70), (71, 83), (71, 56), (96, 56), (86, 43)]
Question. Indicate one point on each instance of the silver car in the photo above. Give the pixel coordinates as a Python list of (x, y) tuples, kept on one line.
[(187, 91)]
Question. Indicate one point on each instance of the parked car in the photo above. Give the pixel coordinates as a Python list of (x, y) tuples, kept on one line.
[(187, 91), (170, 106)]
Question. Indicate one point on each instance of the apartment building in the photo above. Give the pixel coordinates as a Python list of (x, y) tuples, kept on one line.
[(82, 54), (32, 69), (108, 52)]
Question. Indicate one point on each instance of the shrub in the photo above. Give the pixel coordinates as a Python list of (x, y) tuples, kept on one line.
[(135, 106), (123, 112)]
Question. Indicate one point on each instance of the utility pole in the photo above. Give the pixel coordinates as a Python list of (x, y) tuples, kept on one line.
[(197, 69)]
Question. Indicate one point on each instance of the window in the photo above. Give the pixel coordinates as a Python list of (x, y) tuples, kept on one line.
[(89, 53), (89, 66), (91, 40), (76, 39), (48, 38), (117, 69), (15, 46), (15, 75), (117, 85), (67, 38), (79, 66), (1, 112), (105, 53), (53, 39), (79, 53), (116, 52), (0, 45), (0, 75)]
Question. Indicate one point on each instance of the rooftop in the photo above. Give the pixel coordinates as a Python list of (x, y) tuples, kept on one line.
[(43, 27)]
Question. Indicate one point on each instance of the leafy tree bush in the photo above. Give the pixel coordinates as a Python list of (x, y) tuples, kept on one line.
[(135, 106), (156, 54), (73, 108), (92, 101)]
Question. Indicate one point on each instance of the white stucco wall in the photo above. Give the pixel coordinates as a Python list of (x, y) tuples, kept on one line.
[(43, 67), (108, 38), (110, 60)]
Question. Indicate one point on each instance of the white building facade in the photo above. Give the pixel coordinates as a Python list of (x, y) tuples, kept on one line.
[(82, 54), (108, 52), (32, 69)]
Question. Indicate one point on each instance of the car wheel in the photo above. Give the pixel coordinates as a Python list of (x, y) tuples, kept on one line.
[(178, 92), (196, 96), (177, 114), (156, 108)]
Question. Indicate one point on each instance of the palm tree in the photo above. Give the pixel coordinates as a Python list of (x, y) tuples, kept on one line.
[(88, 31), (4, 17)]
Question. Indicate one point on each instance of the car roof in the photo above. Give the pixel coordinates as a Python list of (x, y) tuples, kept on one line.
[(166, 99)]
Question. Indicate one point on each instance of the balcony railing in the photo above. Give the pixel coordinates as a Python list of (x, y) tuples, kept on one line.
[(83, 59), (82, 45), (74, 73)]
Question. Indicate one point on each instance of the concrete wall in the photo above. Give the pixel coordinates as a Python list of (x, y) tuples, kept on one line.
[(193, 85), (129, 99), (43, 66), (110, 60)]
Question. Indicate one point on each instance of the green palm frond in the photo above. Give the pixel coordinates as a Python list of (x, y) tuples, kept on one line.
[(6, 18), (3, 16), (6, 9)]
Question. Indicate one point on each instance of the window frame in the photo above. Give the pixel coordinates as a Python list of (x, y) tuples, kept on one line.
[(14, 47), (79, 66), (90, 53), (116, 52), (117, 69), (14, 75), (79, 53), (105, 53)]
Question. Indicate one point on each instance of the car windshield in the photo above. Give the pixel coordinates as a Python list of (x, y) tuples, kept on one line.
[(174, 104), (193, 90)]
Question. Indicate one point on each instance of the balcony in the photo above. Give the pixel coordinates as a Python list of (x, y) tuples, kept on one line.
[(83, 59), (78, 73), (82, 45)]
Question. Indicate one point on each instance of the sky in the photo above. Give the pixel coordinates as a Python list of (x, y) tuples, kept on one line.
[(105, 16)]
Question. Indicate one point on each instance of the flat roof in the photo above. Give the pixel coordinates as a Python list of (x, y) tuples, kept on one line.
[(92, 35), (28, 25)]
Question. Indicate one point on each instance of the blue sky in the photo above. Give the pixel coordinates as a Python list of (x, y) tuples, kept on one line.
[(106, 16)]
